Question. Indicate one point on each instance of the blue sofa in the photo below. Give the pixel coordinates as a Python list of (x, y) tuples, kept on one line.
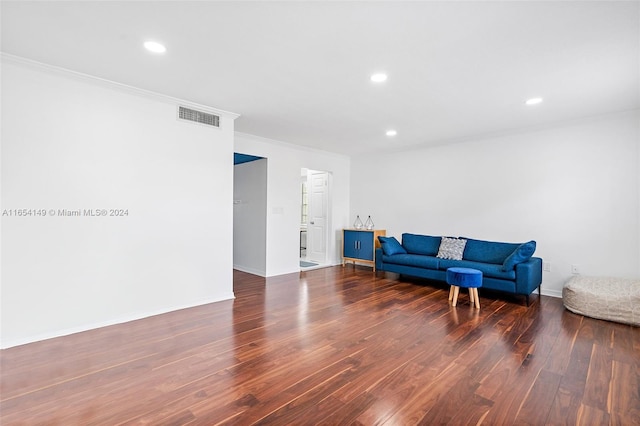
[(506, 267)]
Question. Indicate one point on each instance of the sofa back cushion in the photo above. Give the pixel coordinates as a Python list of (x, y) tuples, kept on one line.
[(422, 244), (488, 251)]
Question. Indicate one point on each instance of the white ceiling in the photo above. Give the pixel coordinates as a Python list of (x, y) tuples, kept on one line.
[(299, 71)]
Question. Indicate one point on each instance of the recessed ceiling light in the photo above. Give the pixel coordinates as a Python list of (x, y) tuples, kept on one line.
[(154, 47), (533, 101), (379, 77), (391, 133)]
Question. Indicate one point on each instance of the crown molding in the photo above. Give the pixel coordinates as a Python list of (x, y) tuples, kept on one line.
[(304, 148), (29, 63)]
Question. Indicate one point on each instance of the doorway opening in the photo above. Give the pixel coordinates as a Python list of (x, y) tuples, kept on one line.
[(250, 214), (314, 218)]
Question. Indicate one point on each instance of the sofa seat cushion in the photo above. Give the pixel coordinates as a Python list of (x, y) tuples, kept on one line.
[(421, 244), (487, 269), (420, 261), (487, 251)]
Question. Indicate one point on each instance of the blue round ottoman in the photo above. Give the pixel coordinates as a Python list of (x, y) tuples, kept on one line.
[(467, 278)]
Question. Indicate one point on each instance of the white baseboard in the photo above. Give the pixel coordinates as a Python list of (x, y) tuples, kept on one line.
[(552, 293), (250, 270)]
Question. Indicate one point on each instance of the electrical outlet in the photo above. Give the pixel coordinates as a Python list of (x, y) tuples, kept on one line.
[(575, 270), (546, 266)]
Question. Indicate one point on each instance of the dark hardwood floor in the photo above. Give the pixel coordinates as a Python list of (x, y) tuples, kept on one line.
[(334, 346)]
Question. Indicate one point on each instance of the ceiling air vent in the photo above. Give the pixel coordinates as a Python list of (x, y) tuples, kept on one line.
[(198, 116)]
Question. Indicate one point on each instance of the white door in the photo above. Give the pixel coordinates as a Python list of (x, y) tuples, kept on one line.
[(318, 211)]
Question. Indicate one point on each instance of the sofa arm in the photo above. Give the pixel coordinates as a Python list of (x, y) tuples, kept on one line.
[(528, 276), (379, 254)]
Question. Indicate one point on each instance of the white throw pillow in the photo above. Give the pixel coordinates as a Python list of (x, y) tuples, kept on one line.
[(451, 248)]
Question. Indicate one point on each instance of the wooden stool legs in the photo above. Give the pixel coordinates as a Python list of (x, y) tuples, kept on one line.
[(454, 290), (475, 299)]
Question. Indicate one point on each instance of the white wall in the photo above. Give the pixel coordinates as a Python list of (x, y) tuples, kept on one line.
[(250, 217), (284, 200), (72, 142), (574, 188)]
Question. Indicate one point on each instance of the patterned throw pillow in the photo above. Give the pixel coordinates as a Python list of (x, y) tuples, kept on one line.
[(451, 248)]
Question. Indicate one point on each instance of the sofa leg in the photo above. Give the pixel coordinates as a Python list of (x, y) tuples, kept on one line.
[(527, 296)]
